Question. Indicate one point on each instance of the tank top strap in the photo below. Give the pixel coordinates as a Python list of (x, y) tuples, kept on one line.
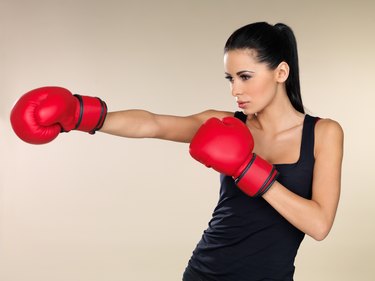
[(308, 139), (308, 136)]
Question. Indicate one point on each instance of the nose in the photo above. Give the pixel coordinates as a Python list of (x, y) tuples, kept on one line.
[(236, 89)]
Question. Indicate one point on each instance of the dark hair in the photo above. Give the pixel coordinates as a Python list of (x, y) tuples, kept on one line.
[(273, 44)]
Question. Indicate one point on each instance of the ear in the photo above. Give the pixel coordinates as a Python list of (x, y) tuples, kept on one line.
[(282, 72)]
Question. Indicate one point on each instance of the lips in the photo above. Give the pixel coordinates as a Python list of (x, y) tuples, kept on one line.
[(242, 104)]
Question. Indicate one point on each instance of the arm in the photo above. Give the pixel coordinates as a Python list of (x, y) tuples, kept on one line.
[(315, 217), (40, 115), (137, 123)]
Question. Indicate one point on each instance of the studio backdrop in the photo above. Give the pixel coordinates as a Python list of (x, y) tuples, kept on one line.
[(99, 207)]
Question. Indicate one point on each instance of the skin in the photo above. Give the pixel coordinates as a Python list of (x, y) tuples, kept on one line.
[(277, 130)]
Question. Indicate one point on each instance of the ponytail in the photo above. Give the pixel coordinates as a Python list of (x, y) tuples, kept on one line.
[(292, 84)]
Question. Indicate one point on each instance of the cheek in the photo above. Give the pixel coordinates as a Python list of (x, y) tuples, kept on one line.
[(263, 90)]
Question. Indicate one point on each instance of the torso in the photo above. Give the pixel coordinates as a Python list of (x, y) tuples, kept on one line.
[(248, 229), (278, 148)]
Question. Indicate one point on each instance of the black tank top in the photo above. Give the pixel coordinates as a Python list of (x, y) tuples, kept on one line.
[(247, 239)]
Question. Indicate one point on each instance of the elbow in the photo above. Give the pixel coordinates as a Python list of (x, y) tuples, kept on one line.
[(321, 232), (319, 236)]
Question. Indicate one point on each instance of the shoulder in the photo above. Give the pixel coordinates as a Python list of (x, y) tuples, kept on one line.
[(328, 127), (328, 135)]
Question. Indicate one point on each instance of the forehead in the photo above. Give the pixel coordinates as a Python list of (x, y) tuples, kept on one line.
[(240, 59)]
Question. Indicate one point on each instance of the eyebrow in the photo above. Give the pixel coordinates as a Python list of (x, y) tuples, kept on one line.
[(240, 72)]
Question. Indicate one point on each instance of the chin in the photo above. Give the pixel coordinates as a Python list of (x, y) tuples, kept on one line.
[(248, 112)]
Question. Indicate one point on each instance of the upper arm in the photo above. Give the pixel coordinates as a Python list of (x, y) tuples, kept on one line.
[(136, 123), (327, 170), (182, 129)]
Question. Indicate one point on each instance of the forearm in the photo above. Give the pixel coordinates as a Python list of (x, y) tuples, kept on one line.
[(306, 215), (130, 123)]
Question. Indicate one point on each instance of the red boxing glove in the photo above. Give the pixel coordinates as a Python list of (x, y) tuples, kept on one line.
[(41, 114), (226, 145)]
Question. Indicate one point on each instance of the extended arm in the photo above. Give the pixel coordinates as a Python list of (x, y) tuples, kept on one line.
[(136, 123), (40, 115)]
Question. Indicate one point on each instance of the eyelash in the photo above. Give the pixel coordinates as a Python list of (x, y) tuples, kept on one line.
[(243, 77), (229, 78)]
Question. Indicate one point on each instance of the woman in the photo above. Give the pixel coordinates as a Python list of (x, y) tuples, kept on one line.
[(254, 234)]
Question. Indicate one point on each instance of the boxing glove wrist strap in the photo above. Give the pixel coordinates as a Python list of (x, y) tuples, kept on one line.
[(257, 177), (92, 114)]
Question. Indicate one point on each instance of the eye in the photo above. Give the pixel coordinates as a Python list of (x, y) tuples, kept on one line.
[(229, 78), (245, 77)]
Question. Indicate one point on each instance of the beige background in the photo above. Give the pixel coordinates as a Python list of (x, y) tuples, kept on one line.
[(105, 208)]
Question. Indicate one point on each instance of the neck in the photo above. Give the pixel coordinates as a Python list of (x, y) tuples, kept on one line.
[(279, 115)]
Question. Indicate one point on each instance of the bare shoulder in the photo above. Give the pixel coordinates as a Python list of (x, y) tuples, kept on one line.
[(328, 135), (328, 127)]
